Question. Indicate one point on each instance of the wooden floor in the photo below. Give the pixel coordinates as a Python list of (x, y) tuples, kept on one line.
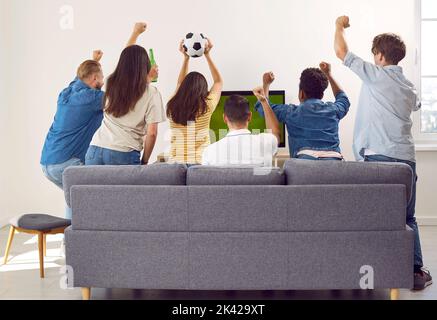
[(20, 278)]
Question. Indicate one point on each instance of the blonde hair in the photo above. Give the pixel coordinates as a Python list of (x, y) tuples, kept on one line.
[(88, 68)]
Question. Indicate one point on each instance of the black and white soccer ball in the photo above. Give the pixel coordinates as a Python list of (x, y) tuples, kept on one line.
[(194, 44)]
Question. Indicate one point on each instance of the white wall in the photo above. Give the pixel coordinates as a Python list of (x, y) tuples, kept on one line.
[(4, 117), (250, 37)]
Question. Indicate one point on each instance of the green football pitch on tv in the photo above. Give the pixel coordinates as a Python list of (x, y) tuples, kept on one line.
[(257, 125)]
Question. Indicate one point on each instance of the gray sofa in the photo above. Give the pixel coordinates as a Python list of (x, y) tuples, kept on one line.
[(311, 226)]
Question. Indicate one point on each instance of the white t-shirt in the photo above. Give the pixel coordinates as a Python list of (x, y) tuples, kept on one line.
[(126, 134), (241, 147)]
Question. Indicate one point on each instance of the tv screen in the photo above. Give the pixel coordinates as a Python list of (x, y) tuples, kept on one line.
[(257, 125)]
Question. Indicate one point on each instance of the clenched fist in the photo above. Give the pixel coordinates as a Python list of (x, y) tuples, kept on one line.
[(153, 73), (259, 94), (97, 55), (343, 22), (326, 68), (140, 27), (268, 78)]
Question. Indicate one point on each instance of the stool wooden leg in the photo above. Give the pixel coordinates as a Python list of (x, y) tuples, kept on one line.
[(86, 293), (8, 245), (41, 253), (45, 245)]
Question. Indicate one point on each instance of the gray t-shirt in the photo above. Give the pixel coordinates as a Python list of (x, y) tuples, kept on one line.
[(126, 134)]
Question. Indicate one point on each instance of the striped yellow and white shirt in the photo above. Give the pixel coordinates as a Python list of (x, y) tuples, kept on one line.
[(189, 142)]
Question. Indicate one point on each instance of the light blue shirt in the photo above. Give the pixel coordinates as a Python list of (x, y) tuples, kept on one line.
[(383, 124)]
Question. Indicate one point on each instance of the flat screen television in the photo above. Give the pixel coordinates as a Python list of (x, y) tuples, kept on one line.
[(257, 125)]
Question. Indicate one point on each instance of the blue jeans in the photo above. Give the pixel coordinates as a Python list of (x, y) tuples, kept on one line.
[(411, 208), (307, 157), (97, 156), (54, 173)]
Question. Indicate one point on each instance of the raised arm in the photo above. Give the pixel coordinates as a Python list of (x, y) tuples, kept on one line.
[(217, 78), (340, 44), (140, 27), (268, 79), (185, 65), (272, 122), (342, 102), (326, 69)]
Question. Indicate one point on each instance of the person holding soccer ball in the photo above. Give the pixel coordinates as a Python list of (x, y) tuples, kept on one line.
[(190, 110)]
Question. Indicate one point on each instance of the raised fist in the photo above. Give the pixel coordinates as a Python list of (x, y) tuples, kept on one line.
[(343, 22), (97, 55), (268, 78), (140, 27), (259, 93), (325, 67)]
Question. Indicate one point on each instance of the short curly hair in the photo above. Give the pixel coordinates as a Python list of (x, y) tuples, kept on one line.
[(391, 46), (313, 82)]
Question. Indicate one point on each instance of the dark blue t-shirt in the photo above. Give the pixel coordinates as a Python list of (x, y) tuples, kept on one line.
[(312, 125), (79, 114)]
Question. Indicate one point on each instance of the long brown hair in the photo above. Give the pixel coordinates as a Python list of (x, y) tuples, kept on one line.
[(190, 101), (128, 83)]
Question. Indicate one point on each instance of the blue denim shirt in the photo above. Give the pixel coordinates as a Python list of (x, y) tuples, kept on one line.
[(79, 114), (387, 99), (312, 125)]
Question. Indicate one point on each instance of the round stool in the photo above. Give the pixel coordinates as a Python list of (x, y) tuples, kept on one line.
[(41, 225)]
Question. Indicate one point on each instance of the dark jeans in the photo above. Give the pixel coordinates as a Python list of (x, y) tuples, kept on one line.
[(411, 208), (307, 157), (97, 156)]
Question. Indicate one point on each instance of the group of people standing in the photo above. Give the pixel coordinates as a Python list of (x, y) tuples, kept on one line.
[(120, 126)]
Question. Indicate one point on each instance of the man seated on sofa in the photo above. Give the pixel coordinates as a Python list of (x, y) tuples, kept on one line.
[(240, 146)]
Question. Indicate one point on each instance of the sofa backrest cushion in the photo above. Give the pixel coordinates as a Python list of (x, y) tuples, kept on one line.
[(236, 175), (305, 172), (152, 175)]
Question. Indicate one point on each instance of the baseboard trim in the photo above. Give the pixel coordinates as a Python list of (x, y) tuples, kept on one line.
[(427, 221)]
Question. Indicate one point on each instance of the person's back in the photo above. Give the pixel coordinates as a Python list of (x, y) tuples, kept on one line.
[(190, 111), (313, 126), (188, 141), (386, 103), (240, 146), (79, 114), (126, 133), (133, 110)]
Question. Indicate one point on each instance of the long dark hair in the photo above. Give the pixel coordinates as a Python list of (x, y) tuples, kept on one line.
[(190, 101), (128, 83)]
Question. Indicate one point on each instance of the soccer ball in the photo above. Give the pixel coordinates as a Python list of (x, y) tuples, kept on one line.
[(194, 44)]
